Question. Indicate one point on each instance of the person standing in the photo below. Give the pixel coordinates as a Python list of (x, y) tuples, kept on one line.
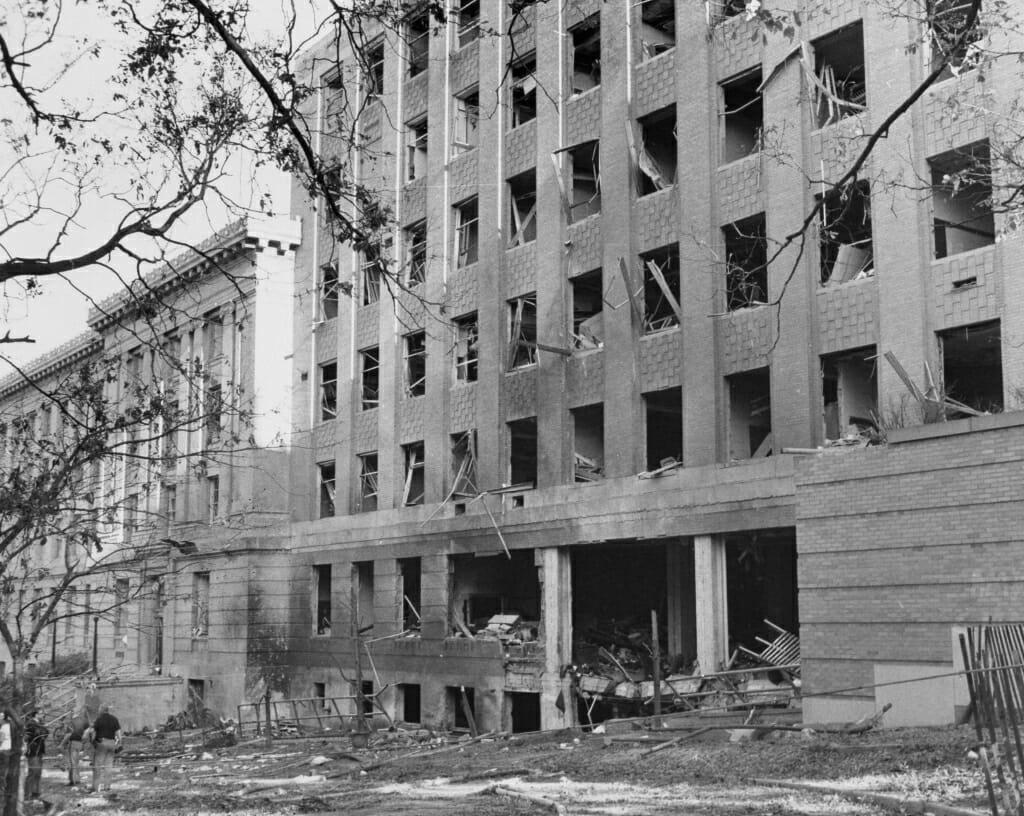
[(106, 739), (72, 745), (35, 749), (6, 741)]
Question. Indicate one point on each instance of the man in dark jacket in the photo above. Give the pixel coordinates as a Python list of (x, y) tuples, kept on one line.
[(106, 737), (72, 745), (35, 748)]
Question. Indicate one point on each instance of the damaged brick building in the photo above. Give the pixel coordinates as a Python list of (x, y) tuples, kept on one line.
[(582, 403)]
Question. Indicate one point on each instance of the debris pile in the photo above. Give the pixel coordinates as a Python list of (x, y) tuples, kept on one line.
[(509, 629)]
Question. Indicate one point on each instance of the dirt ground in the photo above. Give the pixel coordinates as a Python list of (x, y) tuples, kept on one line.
[(612, 774)]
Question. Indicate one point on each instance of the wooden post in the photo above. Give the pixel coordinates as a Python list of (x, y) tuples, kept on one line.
[(656, 657), (468, 711), (266, 703)]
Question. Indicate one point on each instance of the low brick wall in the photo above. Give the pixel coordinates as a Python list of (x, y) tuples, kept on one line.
[(137, 703)]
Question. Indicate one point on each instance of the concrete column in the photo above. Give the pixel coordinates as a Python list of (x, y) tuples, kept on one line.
[(712, 601), (556, 625), (682, 632)]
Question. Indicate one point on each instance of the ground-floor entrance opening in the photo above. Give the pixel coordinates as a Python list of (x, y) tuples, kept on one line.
[(524, 711)]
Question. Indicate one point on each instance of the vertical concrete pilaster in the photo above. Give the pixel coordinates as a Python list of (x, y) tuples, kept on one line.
[(682, 621), (556, 623), (712, 601)]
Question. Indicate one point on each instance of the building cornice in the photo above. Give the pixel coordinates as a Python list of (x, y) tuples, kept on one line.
[(65, 355)]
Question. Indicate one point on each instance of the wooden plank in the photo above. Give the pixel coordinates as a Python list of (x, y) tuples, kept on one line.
[(655, 271)]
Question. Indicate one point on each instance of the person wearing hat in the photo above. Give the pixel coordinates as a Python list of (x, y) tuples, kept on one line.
[(35, 749), (106, 736)]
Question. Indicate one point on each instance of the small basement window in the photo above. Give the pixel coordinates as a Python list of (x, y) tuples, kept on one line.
[(522, 191), (416, 364), (412, 492), (328, 391), (467, 122), (742, 116), (586, 54), (369, 386), (746, 258), (416, 254), (322, 588), (464, 478), (952, 45), (664, 427), (522, 445), (972, 367), (587, 310), (326, 474), (523, 90), (417, 32), (588, 443), (750, 414), (585, 181), (849, 383), (522, 316), (367, 482), (962, 200), (467, 339), (657, 27), (845, 231), (416, 150), (655, 155), (466, 233), (468, 16), (661, 288), (373, 70), (839, 86)]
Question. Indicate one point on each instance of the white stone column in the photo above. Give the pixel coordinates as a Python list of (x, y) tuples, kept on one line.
[(712, 602)]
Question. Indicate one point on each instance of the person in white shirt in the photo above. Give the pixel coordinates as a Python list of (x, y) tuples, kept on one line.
[(6, 736)]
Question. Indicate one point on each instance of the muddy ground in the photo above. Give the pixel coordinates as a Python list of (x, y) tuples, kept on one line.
[(612, 774)]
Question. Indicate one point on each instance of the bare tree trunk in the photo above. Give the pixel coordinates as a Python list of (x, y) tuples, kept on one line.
[(12, 771)]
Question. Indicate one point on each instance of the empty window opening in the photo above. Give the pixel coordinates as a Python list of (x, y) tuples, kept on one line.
[(750, 414), (466, 233), (467, 340), (367, 690), (416, 150), (214, 414), (467, 122), (370, 275), (367, 482), (761, 583), (846, 250), (522, 334), (362, 574), (332, 186), (326, 473), (522, 446), (522, 193), (468, 17), (320, 695), (586, 54), (729, 8), (664, 427), (587, 310), (369, 381), (584, 181), (416, 364), (329, 289), (417, 34), (200, 604), (953, 46), (524, 711), (523, 90), (972, 367), (412, 492), (743, 116), (746, 259), (212, 498), (654, 153), (464, 478), (588, 443), (962, 200), (460, 705), (657, 27), (409, 574), (849, 384), (838, 86), (411, 704), (485, 586), (661, 288), (373, 70), (416, 254), (322, 589), (196, 695)]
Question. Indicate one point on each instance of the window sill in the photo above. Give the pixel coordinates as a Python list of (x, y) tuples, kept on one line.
[(754, 154), (652, 333), (671, 50), (967, 252), (517, 369), (520, 245), (587, 92), (576, 222)]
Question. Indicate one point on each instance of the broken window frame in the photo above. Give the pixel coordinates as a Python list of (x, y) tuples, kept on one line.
[(955, 402), (368, 481), (660, 269), (467, 17), (748, 125), (522, 90), (522, 345), (746, 263), (834, 98), (587, 468), (525, 423), (657, 29), (464, 461), (466, 125), (662, 401), (322, 611), (466, 350), (332, 178), (329, 290), (369, 378), (417, 37), (584, 63), (415, 363), (960, 175), (741, 385), (370, 277), (580, 169), (650, 169), (327, 481), (522, 197), (845, 249), (328, 390), (200, 605), (833, 367), (944, 29), (416, 249), (583, 334), (372, 57), (416, 147), (414, 486), (467, 232), (214, 414)]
